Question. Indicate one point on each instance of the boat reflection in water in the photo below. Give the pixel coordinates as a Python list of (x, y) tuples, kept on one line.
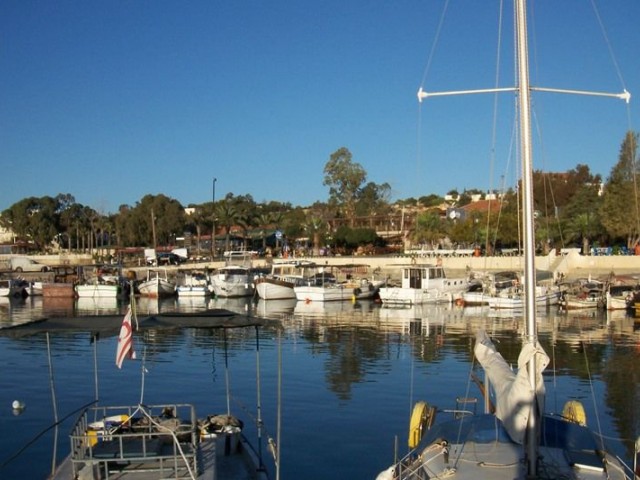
[(303, 307), (275, 308), (358, 364), (193, 304), (97, 306), (155, 305)]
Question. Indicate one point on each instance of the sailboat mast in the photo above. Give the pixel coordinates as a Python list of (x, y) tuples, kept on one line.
[(528, 219)]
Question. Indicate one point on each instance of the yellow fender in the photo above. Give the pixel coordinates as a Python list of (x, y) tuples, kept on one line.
[(418, 422), (574, 412)]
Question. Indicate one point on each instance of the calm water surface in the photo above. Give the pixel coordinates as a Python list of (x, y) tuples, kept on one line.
[(350, 375)]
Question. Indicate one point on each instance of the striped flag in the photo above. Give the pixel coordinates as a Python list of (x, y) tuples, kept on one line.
[(125, 340)]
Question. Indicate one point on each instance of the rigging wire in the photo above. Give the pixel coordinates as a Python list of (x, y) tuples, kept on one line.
[(422, 82), (494, 132), (55, 406)]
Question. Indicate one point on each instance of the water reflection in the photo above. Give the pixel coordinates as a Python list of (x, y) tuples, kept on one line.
[(355, 363), (97, 306)]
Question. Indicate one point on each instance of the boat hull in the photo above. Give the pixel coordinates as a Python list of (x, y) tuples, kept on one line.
[(157, 288), (275, 289), (97, 291), (415, 296), (338, 292), (193, 291)]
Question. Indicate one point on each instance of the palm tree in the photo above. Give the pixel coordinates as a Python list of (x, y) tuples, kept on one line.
[(277, 218), (315, 227), (228, 216), (264, 220), (582, 227), (246, 221)]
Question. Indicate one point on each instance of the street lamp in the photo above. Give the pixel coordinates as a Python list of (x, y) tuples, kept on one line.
[(213, 230)]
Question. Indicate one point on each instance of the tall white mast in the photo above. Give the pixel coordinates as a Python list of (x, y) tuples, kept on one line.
[(528, 220)]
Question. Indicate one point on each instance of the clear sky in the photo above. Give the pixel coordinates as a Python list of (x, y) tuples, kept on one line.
[(112, 100)]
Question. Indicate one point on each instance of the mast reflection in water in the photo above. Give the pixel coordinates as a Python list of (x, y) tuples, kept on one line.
[(350, 374)]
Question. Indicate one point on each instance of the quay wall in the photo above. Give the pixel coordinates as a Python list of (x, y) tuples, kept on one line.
[(568, 265)]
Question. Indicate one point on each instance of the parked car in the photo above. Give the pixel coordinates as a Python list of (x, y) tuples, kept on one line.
[(25, 264), (169, 259)]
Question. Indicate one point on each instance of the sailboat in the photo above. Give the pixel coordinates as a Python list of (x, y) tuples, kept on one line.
[(514, 439)]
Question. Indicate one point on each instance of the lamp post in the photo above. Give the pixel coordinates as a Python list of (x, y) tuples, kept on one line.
[(213, 229)]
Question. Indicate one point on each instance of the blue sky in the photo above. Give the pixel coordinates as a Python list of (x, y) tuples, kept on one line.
[(113, 100)]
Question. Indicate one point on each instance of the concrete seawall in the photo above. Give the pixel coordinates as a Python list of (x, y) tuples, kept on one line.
[(571, 265)]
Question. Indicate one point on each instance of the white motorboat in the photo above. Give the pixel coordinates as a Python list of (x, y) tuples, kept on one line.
[(235, 279), (157, 284), (340, 282), (425, 283), (98, 290), (488, 285), (335, 292), (284, 276), (514, 297), (12, 288), (195, 284)]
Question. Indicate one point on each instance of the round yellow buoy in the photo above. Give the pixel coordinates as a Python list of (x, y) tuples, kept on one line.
[(574, 412), (417, 423)]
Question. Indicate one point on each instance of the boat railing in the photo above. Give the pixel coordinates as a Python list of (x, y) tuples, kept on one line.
[(160, 439)]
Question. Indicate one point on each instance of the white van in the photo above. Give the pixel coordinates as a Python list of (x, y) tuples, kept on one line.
[(24, 264)]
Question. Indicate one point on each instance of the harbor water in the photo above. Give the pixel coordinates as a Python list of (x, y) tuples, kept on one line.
[(337, 381)]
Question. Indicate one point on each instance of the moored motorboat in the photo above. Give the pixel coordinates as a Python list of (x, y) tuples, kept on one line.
[(513, 298), (284, 276), (13, 288), (157, 284), (195, 284), (340, 282), (425, 283), (98, 290), (236, 278)]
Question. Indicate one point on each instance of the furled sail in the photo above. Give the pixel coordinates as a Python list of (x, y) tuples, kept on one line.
[(515, 397)]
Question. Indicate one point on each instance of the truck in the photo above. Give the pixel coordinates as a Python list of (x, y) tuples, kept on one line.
[(26, 264)]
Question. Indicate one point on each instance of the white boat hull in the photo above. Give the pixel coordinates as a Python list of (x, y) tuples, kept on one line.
[(97, 291), (514, 298), (157, 287), (338, 292), (415, 296), (275, 289), (232, 286), (193, 291)]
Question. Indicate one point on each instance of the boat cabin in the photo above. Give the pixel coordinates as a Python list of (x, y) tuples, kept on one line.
[(418, 276)]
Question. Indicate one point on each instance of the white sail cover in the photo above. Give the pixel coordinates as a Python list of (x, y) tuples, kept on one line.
[(514, 394)]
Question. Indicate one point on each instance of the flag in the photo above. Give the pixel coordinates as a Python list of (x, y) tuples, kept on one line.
[(125, 340)]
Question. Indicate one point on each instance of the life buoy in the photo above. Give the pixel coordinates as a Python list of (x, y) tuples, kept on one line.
[(574, 412), (419, 420)]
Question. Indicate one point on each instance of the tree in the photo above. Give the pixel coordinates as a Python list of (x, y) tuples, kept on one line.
[(315, 226), (344, 179), (429, 228), (620, 202), (227, 215), (373, 201), (35, 219), (431, 200)]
